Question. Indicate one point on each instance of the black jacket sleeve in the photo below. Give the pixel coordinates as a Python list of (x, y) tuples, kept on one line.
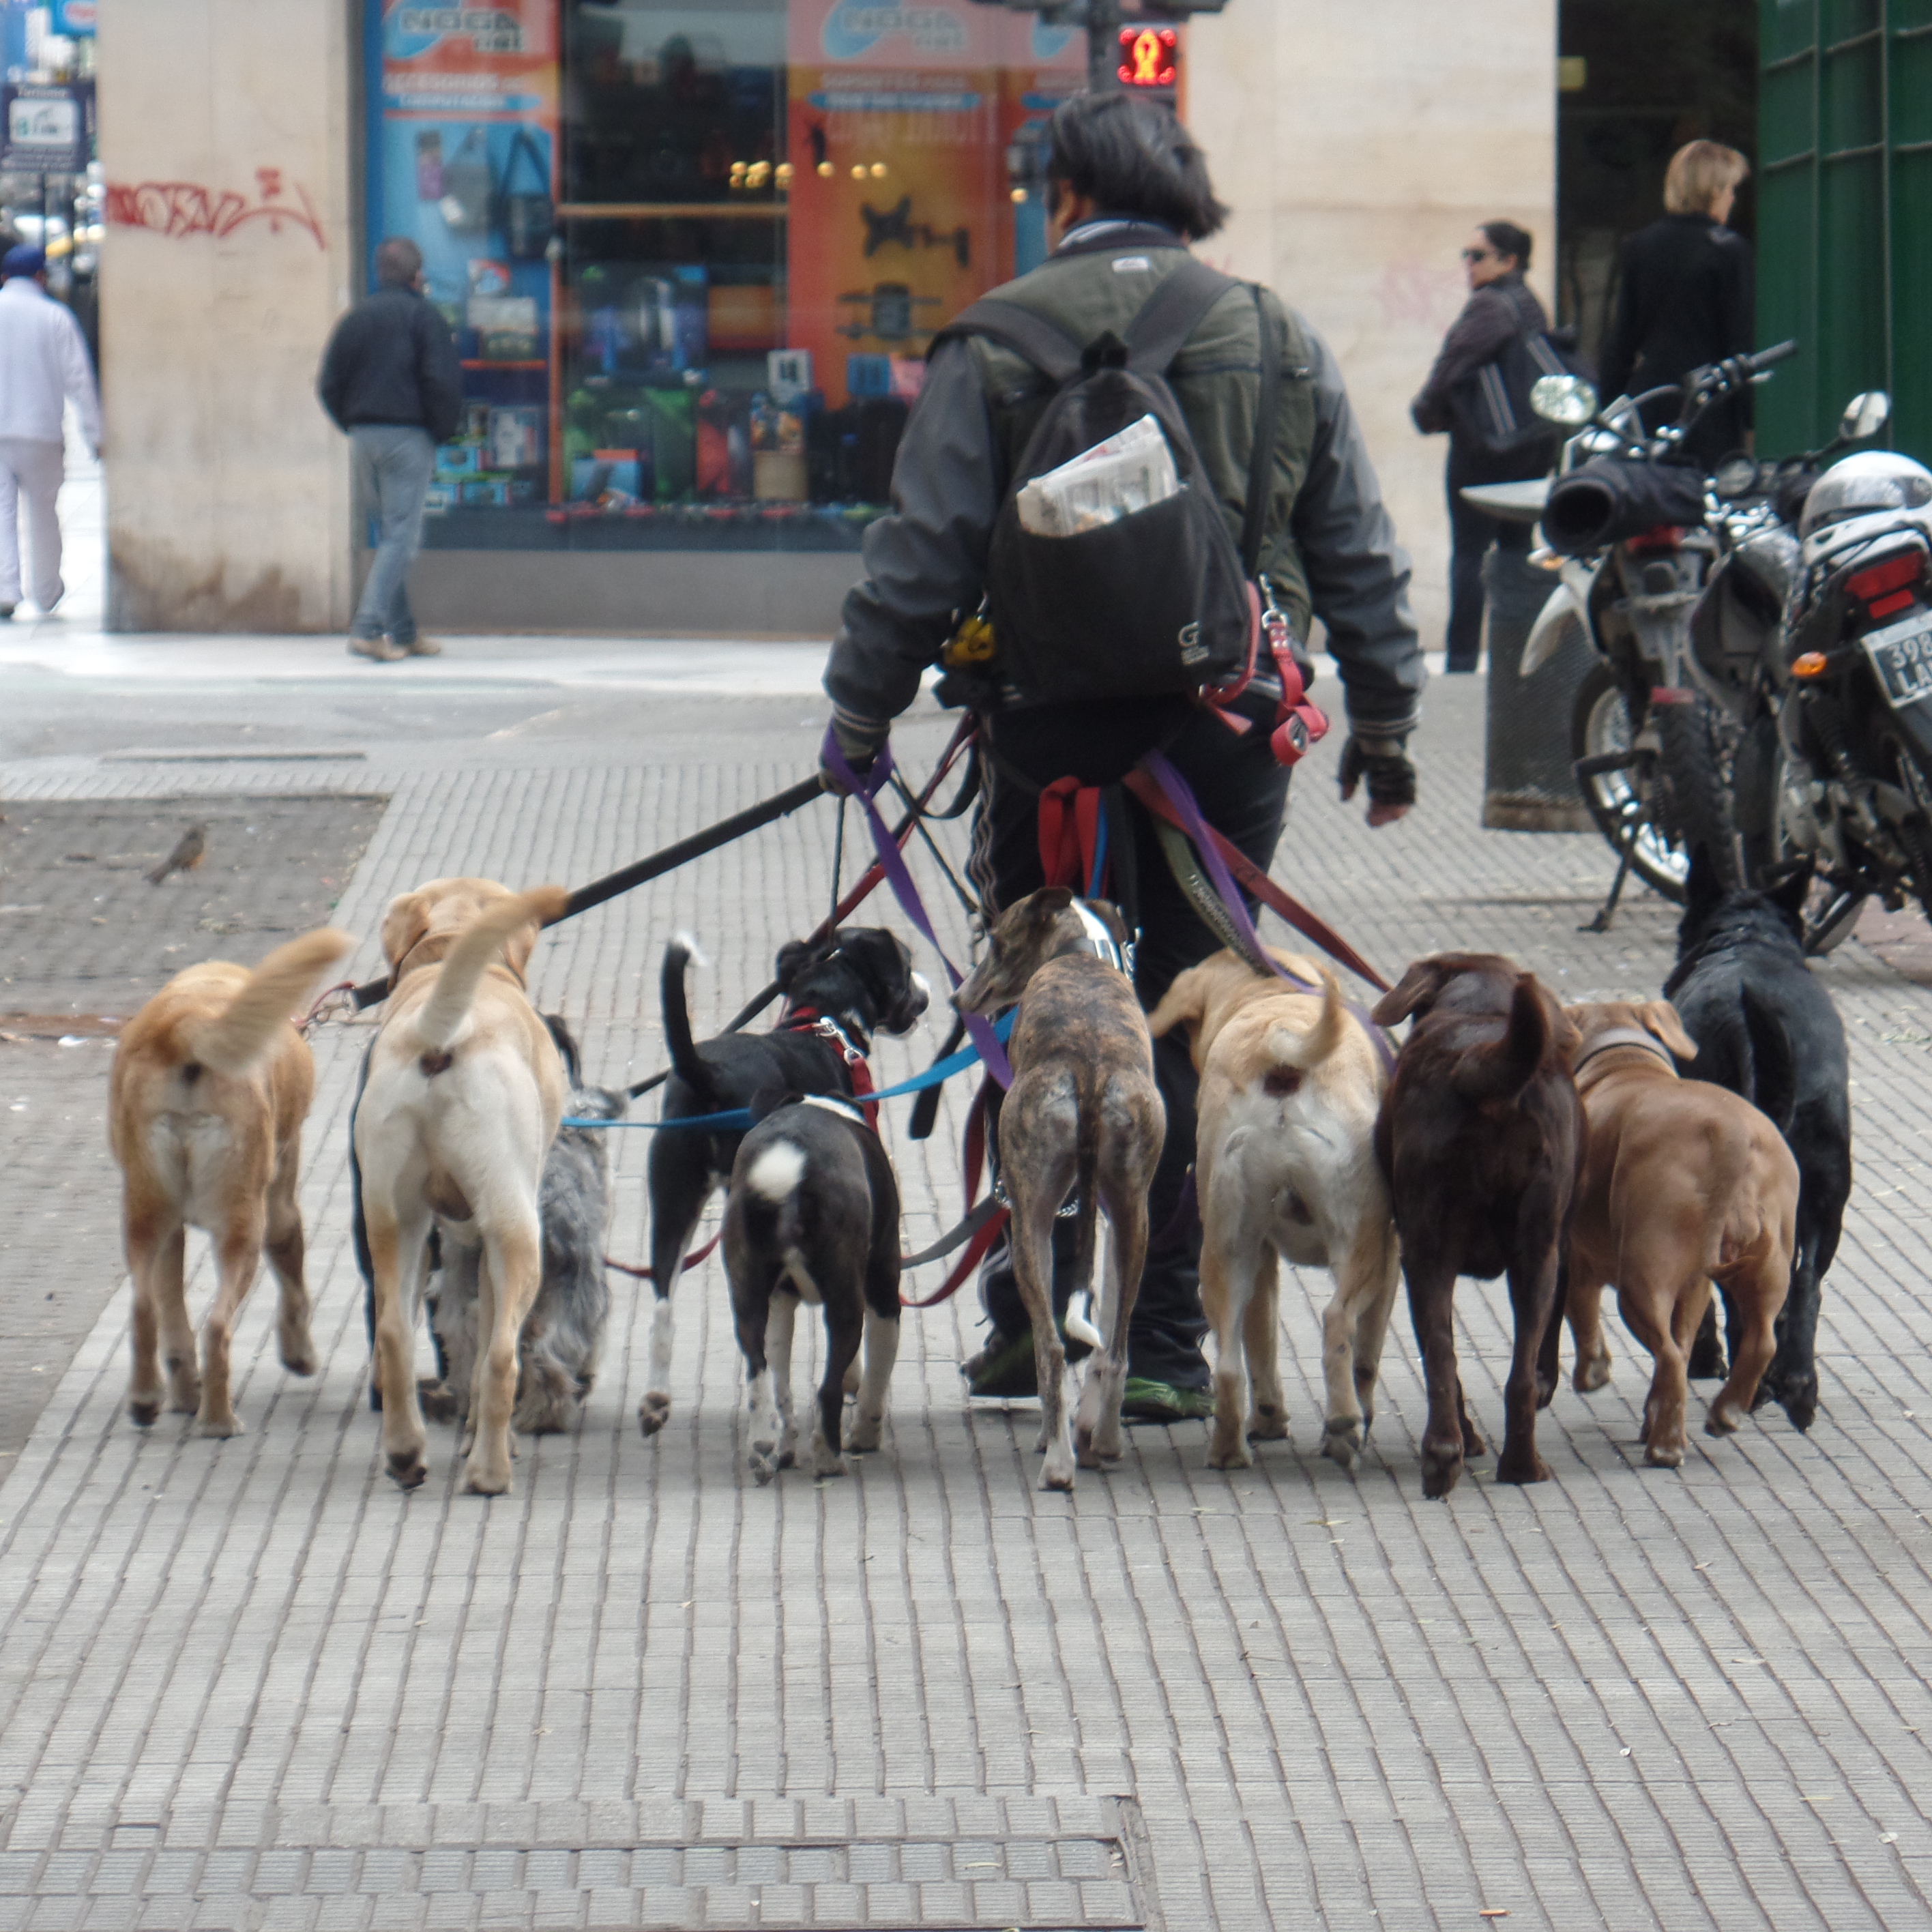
[(1625, 337), (439, 374), (1481, 332), (331, 382)]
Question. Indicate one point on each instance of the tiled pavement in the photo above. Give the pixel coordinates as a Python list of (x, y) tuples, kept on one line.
[(251, 1683)]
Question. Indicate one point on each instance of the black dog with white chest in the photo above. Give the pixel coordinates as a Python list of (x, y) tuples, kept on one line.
[(813, 1215), (1765, 1027), (837, 993)]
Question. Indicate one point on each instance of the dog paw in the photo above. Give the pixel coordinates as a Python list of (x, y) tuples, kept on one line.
[(654, 1411), (142, 1410), (1231, 1456), (763, 1459), (1342, 1443), (1660, 1455), (1268, 1423), (219, 1427), (439, 1402), (1528, 1467), (825, 1467), (482, 1477), (865, 1433), (1056, 1472), (1591, 1372), (1723, 1419), (1441, 1468), (1798, 1399), (406, 1468), (301, 1361)]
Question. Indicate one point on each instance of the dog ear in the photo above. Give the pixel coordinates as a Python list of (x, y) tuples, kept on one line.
[(1112, 918), (1789, 894), (1047, 904), (1416, 991), (1565, 1036), (405, 922), (794, 956), (1659, 1018)]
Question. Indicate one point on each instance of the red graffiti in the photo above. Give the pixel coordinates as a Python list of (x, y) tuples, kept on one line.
[(178, 209)]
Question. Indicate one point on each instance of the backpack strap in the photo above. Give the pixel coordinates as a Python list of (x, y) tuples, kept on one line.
[(1045, 344), (1261, 460), (1171, 314)]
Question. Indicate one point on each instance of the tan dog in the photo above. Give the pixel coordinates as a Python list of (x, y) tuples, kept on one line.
[(464, 1091), (1684, 1182), (1083, 1115), (211, 1083), (1284, 1164)]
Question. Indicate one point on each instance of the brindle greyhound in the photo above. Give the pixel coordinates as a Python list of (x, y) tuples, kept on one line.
[(1083, 1114)]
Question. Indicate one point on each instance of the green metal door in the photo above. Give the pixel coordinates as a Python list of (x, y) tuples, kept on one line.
[(1845, 214)]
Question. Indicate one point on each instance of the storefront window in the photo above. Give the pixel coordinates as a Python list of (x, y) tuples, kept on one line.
[(695, 253)]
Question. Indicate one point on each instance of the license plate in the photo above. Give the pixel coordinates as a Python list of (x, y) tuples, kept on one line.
[(1901, 654)]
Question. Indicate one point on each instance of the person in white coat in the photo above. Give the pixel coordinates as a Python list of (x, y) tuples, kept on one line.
[(44, 364)]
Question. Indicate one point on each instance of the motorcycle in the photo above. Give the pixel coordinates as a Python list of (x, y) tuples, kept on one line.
[(1626, 529), (1816, 636)]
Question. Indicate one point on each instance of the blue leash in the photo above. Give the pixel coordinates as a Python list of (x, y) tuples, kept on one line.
[(739, 1118)]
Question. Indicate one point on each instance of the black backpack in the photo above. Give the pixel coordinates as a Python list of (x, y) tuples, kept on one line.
[(1158, 602), (1490, 405)]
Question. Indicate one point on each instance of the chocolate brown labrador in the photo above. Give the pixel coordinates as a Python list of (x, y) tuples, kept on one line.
[(1481, 1137)]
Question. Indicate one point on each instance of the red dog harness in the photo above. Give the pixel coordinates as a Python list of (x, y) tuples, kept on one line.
[(809, 1019)]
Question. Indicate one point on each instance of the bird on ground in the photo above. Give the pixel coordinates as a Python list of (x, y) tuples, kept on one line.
[(190, 849)]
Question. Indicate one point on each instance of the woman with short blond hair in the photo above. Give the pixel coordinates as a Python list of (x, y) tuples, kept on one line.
[(1684, 296)]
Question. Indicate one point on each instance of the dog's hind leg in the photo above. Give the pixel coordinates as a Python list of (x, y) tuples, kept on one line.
[(1354, 1326), (1432, 1289), (512, 1273), (1533, 1297), (1261, 1336), (396, 1252), (287, 1257), (882, 1350), (781, 1332), (1127, 1255), (1758, 1297), (238, 1262), (1583, 1309), (1648, 1305), (681, 1182), (1229, 1261), (751, 1311), (155, 1245), (843, 1329)]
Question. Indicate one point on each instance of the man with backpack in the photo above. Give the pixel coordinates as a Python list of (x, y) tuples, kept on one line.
[(1089, 674)]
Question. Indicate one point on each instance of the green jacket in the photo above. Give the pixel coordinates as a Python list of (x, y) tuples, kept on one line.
[(1328, 550)]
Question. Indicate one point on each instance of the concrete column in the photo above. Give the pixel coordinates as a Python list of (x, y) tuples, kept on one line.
[(1357, 147), (226, 143)]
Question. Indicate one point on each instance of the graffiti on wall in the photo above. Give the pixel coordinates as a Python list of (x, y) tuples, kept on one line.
[(180, 209)]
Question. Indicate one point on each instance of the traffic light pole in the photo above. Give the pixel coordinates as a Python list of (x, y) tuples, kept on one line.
[(1103, 52)]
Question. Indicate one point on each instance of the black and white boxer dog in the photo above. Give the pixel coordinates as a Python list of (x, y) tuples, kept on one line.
[(837, 993)]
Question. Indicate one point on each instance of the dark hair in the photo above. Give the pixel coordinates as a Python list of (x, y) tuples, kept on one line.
[(398, 261), (1507, 238), (1130, 156)]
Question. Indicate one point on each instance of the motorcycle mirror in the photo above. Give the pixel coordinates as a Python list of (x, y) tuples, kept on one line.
[(1565, 400), (1865, 415)]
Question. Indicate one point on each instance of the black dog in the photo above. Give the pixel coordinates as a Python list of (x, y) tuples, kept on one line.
[(837, 993), (1765, 1027), (813, 1215)]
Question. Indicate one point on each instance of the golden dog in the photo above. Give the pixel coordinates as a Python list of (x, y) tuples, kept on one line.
[(211, 1085), (464, 1091), (1284, 1164), (1684, 1182)]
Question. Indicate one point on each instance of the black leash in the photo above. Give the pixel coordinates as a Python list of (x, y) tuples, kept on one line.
[(644, 870)]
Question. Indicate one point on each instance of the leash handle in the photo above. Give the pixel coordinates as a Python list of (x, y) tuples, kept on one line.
[(901, 881)]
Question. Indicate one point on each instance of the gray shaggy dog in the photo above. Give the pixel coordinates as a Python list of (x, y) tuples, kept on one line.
[(557, 1354)]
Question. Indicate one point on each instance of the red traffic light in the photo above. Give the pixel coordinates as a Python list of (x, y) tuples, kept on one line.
[(1149, 57)]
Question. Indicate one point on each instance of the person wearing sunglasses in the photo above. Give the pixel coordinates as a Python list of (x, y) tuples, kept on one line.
[(1501, 308)]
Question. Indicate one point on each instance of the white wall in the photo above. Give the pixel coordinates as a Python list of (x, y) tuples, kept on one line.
[(227, 488), (1358, 144)]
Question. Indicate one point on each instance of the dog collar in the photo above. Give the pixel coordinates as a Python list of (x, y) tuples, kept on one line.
[(808, 1019), (1625, 1037), (846, 1110), (1099, 941)]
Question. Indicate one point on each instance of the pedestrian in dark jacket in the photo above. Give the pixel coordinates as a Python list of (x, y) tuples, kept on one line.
[(1684, 298), (391, 378), (1501, 308), (1127, 190)]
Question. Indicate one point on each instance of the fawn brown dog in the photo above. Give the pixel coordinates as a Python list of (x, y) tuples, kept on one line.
[(1084, 1114), (211, 1083), (1481, 1136), (1684, 1182)]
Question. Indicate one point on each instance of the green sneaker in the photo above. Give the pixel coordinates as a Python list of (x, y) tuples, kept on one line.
[(1143, 1401)]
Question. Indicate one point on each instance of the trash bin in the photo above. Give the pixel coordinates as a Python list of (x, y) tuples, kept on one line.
[(1528, 785)]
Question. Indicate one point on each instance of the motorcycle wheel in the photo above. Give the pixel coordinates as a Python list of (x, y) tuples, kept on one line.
[(1699, 800), (1600, 724)]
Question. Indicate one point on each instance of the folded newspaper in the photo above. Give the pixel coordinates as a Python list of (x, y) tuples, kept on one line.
[(1127, 472)]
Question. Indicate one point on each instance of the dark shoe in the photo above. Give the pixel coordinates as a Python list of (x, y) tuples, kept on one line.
[(379, 648), (1004, 1367), (6, 610), (1455, 666), (1143, 1401)]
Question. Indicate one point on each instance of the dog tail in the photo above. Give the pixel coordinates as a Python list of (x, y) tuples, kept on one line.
[(1502, 1070), (1774, 1085), (258, 1016), (686, 1062), (1302, 1052), (447, 1010), (771, 1183)]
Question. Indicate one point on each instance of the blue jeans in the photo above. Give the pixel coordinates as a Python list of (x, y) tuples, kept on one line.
[(394, 463)]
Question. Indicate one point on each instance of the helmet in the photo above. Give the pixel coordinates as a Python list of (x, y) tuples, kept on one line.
[(1873, 480)]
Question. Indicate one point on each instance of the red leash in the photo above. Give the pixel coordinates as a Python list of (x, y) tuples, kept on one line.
[(690, 1261)]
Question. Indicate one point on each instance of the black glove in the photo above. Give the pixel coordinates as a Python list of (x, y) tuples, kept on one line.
[(860, 740), (1385, 763)]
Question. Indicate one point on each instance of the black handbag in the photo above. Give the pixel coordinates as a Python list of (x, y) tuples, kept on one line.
[(527, 218), (1490, 406)]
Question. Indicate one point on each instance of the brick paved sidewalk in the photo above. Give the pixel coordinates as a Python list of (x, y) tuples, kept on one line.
[(251, 1683)]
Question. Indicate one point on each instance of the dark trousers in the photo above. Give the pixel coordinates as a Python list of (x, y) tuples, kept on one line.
[(1471, 534), (1243, 794)]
